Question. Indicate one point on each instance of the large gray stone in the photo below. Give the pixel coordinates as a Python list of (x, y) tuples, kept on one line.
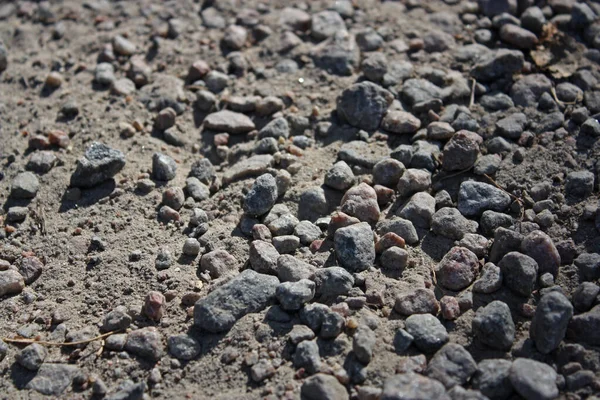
[(364, 104), (247, 293), (533, 380), (355, 247), (549, 324), (494, 326), (476, 197), (98, 164), (412, 386)]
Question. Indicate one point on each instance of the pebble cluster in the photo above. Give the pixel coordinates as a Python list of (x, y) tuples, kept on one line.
[(430, 252)]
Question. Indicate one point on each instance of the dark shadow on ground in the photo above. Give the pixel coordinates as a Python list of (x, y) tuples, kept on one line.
[(89, 197)]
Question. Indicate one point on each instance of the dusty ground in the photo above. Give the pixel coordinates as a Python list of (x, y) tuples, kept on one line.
[(80, 285)]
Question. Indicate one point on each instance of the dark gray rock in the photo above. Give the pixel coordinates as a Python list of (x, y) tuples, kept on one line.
[(540, 247), (277, 128), (452, 365), (477, 197), (263, 257), (363, 342), (116, 320), (461, 151), (492, 220), (326, 23), (307, 356), (332, 282), (99, 163), (42, 161), (584, 327), (203, 170), (363, 105), (533, 380), (262, 196), (53, 379), (293, 295), (527, 90), (419, 209), (183, 347), (412, 386), (550, 322), (512, 126), (492, 379), (246, 293), (490, 280), (32, 356), (449, 222), (332, 325), (323, 387), (579, 184), (355, 247), (494, 326), (588, 265), (505, 241), (498, 64), (339, 55), (519, 272), (400, 227), (428, 332), (585, 295)]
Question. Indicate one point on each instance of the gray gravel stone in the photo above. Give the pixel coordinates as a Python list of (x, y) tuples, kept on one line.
[(246, 293), (11, 282), (452, 365), (323, 387), (498, 64), (24, 186), (519, 272), (413, 180), (512, 126), (32, 356), (42, 161), (183, 347), (228, 121), (326, 23), (584, 327), (518, 37), (332, 282), (354, 247), (588, 265), (419, 209), (579, 184), (401, 227), (98, 164), (263, 257), (461, 151), (412, 386), (549, 324), (203, 170), (339, 55), (123, 46), (449, 222), (363, 342), (397, 121), (387, 172), (428, 332), (332, 325), (293, 295), (307, 356), (262, 196), (145, 343), (493, 325), (277, 128), (363, 105), (196, 189), (291, 269), (307, 232), (533, 380), (585, 295), (339, 176), (490, 280), (527, 90), (476, 197), (492, 379), (52, 379), (116, 320)]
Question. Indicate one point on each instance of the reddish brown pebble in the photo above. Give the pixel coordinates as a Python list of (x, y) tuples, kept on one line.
[(154, 306), (527, 310), (340, 220), (59, 138), (385, 195), (388, 240), (416, 44), (361, 202), (450, 308), (316, 245), (197, 70)]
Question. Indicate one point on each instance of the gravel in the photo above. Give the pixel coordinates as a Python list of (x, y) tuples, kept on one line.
[(533, 379), (98, 164), (354, 247), (550, 322), (363, 105), (412, 386), (248, 292), (428, 333), (476, 197), (262, 196), (452, 365), (520, 272), (494, 326)]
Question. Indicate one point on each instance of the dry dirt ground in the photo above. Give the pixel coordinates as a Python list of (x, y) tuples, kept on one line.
[(81, 283)]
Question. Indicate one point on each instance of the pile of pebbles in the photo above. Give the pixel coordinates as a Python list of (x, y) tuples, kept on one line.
[(428, 231)]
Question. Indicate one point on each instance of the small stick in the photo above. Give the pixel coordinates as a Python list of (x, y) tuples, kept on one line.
[(455, 174), (553, 92), (30, 341), (472, 99)]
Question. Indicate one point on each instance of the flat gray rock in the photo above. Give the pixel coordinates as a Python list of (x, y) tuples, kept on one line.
[(52, 379), (228, 121), (247, 293), (99, 163)]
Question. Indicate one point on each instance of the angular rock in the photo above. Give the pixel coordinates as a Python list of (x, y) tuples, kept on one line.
[(401, 122), (421, 301), (262, 196), (98, 164), (52, 379), (354, 247), (549, 324), (247, 293), (412, 386), (332, 282), (452, 365), (263, 257), (498, 64), (492, 379), (449, 222), (363, 105), (428, 332), (145, 343), (477, 197), (519, 272), (11, 282), (183, 347), (293, 295), (24, 186), (461, 151), (494, 326), (585, 327)]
